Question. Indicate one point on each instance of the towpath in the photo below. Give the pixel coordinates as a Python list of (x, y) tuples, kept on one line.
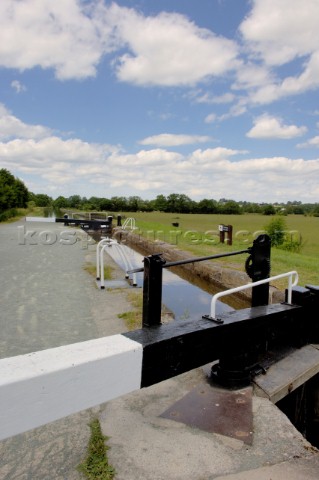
[(48, 299)]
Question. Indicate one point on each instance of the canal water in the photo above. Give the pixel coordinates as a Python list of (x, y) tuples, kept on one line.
[(182, 298)]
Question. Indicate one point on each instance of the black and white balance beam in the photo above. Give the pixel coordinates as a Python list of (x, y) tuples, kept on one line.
[(71, 221), (38, 388)]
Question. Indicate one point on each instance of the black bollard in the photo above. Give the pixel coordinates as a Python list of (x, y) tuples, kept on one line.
[(152, 290)]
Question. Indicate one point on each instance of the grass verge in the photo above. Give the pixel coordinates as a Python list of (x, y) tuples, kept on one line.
[(96, 465), (133, 318), (91, 269), (15, 214)]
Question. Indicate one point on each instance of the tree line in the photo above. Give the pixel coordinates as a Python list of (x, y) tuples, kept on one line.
[(13, 194), (176, 203)]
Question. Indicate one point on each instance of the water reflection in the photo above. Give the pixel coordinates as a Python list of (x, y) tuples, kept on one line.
[(50, 212)]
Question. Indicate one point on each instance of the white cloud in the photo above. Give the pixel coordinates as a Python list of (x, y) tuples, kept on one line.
[(71, 38), (279, 31), (18, 86), (168, 49), (215, 99), (276, 33), (11, 126), (76, 166), (52, 153), (307, 80), (63, 36), (270, 127), (211, 118), (213, 154), (174, 140), (250, 75), (152, 158), (312, 142)]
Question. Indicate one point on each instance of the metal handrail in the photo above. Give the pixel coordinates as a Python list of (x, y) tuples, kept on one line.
[(196, 259), (255, 284), (105, 243), (129, 223), (201, 259), (101, 242)]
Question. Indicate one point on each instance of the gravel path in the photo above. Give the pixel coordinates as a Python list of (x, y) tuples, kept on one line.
[(48, 299)]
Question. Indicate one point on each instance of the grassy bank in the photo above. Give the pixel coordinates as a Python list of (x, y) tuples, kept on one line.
[(199, 235), (15, 214)]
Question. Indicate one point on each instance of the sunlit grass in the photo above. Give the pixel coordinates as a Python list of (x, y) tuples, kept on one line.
[(96, 465), (133, 318), (91, 269), (199, 235)]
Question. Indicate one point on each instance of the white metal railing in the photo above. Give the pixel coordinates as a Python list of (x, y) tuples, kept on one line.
[(255, 284), (129, 224), (100, 248)]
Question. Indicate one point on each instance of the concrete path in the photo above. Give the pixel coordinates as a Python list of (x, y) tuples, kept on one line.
[(47, 299), (146, 446)]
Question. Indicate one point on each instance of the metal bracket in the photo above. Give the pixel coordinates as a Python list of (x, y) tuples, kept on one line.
[(216, 320)]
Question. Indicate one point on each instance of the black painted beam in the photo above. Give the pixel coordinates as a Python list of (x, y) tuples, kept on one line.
[(172, 349)]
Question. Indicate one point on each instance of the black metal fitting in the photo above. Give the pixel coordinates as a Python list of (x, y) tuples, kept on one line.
[(308, 298), (152, 290), (258, 268)]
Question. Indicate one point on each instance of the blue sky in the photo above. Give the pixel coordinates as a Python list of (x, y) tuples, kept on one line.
[(210, 98)]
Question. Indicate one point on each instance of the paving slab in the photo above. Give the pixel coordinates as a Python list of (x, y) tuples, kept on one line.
[(296, 469), (145, 446)]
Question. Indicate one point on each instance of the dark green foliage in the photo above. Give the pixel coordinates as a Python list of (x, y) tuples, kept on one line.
[(61, 202), (276, 230), (40, 199), (4, 216), (316, 211), (268, 210), (281, 237), (231, 208), (13, 192), (96, 466)]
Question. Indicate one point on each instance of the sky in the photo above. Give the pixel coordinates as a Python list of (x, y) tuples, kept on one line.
[(207, 98)]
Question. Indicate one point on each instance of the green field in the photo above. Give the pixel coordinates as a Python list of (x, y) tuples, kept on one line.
[(199, 234)]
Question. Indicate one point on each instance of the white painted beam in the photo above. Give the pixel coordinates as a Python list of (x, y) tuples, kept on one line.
[(40, 219), (44, 386)]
